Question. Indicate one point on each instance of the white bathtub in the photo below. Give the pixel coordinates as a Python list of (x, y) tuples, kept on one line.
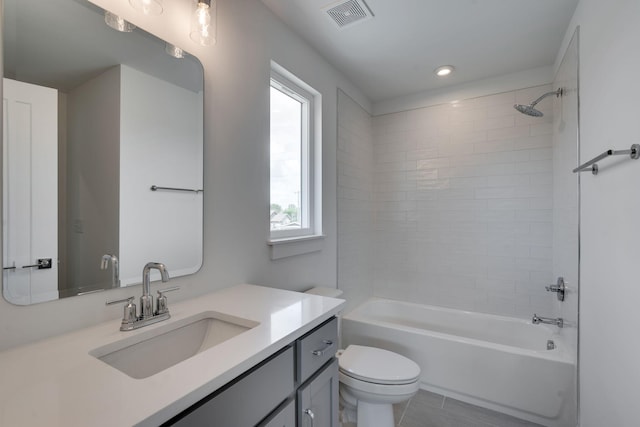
[(497, 362)]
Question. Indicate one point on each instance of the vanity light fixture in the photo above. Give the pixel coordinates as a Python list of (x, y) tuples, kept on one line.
[(148, 7), (203, 23), (117, 23), (173, 50), (444, 71)]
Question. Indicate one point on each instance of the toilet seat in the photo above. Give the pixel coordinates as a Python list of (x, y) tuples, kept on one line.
[(377, 366)]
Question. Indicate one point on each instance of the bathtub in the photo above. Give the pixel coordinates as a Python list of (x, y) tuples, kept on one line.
[(496, 362)]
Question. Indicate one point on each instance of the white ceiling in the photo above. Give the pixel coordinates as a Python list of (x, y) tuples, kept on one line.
[(395, 53)]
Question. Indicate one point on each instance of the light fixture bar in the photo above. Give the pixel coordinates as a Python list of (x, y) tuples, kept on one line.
[(147, 7), (117, 23)]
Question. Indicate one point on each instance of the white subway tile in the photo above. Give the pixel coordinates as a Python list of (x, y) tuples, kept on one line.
[(532, 142), (473, 182), (541, 154), (508, 204), (533, 215), (396, 157), (508, 133), (434, 163), (390, 196), (541, 203), (428, 153), (509, 157), (495, 123), (542, 129), (475, 136), (508, 181), (461, 192)]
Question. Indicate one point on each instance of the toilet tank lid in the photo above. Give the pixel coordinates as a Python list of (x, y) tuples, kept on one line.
[(376, 365), (324, 291)]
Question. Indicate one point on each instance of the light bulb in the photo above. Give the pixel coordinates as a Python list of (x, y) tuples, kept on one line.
[(148, 7), (203, 23)]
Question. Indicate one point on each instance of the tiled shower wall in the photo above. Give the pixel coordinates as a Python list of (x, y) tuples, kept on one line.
[(463, 205), (355, 201)]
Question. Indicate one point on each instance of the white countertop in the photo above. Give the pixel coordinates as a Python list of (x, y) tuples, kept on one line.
[(56, 382)]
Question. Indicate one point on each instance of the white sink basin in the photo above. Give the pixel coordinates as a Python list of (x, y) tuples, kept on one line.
[(153, 351)]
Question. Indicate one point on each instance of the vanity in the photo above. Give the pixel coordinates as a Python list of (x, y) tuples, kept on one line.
[(278, 370)]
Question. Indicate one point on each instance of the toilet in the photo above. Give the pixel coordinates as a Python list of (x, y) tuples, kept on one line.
[(372, 380)]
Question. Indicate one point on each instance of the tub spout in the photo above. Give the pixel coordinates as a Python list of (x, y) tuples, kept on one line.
[(559, 322)]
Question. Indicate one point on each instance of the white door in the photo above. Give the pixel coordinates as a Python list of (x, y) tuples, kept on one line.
[(30, 192)]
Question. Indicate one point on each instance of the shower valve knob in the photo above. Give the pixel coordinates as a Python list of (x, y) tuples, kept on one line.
[(559, 288)]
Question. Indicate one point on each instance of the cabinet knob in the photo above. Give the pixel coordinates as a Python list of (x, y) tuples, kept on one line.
[(320, 352)]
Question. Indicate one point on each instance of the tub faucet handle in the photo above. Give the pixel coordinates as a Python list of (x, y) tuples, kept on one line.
[(559, 288)]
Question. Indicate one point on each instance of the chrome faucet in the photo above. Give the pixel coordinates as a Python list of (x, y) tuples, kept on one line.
[(146, 300), (130, 319), (559, 322), (115, 268)]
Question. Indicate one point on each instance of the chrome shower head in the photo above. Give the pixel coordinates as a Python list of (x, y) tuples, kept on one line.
[(530, 109)]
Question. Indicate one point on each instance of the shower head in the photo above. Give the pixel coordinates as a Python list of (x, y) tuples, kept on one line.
[(530, 109)]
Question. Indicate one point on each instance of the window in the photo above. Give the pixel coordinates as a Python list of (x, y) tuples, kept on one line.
[(294, 154)]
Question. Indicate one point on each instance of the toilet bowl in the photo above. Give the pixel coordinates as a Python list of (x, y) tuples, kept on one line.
[(371, 381)]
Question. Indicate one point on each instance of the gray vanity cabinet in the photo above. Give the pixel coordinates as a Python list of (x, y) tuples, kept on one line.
[(296, 387)]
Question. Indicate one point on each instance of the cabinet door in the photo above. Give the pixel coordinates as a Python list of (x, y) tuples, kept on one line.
[(286, 417), (318, 399)]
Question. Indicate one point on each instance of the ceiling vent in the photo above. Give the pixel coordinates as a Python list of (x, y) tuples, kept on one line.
[(347, 13)]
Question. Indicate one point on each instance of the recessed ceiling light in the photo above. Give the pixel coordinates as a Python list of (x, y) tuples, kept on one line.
[(444, 71)]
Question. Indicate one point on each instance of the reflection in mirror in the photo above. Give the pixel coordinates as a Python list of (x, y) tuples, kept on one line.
[(93, 118)]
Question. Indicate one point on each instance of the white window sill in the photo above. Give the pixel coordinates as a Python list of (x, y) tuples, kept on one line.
[(292, 246)]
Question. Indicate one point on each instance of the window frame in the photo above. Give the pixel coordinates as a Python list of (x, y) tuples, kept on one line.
[(310, 197)]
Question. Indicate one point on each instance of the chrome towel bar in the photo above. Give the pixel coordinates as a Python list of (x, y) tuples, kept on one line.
[(633, 152), (156, 188)]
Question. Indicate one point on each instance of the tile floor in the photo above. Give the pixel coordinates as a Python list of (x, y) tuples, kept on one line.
[(428, 409)]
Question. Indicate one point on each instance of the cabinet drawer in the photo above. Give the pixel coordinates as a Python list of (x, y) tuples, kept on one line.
[(285, 418), (316, 349), (249, 399)]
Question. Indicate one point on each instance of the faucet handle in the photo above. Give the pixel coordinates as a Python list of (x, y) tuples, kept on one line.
[(171, 289), (117, 301), (129, 316), (162, 300)]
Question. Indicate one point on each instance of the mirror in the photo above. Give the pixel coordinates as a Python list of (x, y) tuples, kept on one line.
[(93, 118)]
